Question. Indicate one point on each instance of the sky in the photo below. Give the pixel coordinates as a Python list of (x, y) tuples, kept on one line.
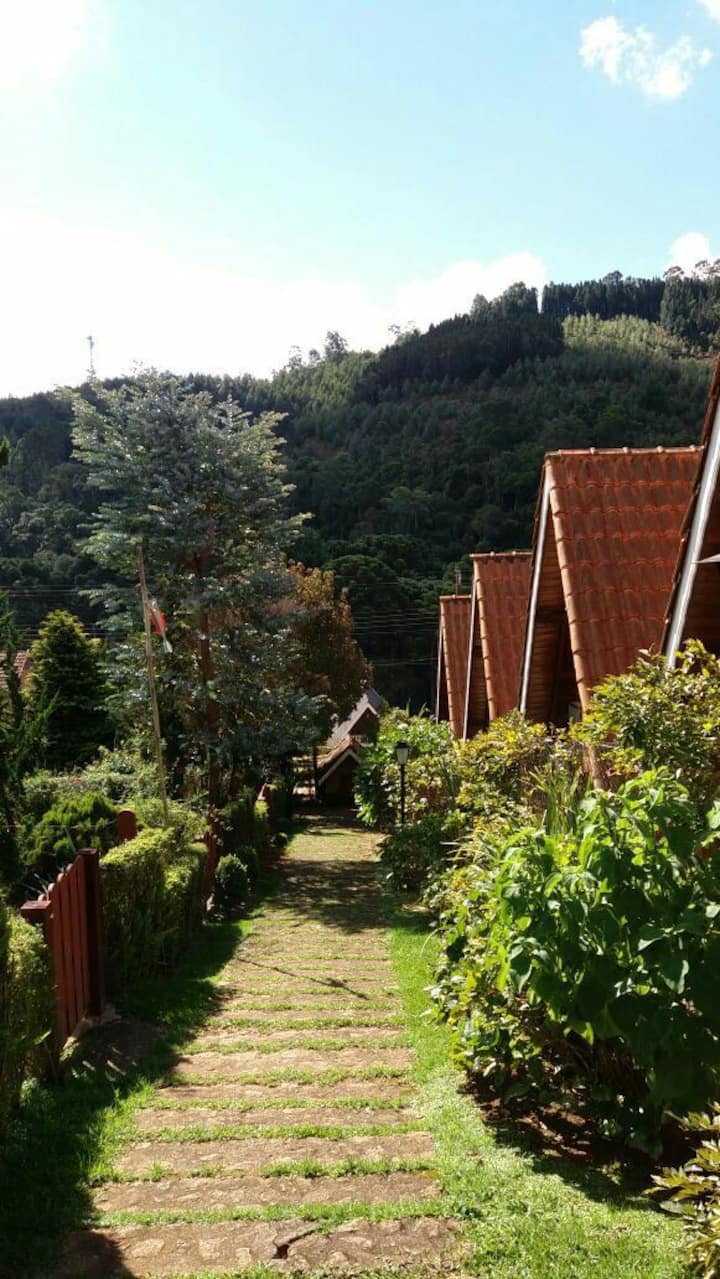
[(202, 184)]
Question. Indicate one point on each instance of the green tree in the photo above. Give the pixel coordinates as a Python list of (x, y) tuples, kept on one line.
[(20, 742), (199, 485), (328, 662), (69, 689)]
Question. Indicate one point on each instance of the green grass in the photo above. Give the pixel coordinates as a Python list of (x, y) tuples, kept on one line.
[(528, 1216), (322, 1043), (278, 1103), (251, 1132), (330, 1215), (293, 1075)]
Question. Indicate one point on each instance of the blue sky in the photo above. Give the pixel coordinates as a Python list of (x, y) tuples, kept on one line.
[(201, 183)]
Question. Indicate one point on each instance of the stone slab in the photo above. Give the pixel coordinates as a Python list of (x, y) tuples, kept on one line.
[(223, 1194), (255, 1154)]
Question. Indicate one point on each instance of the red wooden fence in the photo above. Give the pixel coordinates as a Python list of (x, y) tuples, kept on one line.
[(71, 919)]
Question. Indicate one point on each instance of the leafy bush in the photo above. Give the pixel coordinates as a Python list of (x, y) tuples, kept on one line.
[(431, 781), (80, 821), (694, 1193), (413, 854), (245, 823), (123, 776), (654, 717), (25, 1006), (232, 884), (153, 902), (591, 956)]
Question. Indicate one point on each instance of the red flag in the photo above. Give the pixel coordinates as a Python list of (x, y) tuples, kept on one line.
[(157, 617)]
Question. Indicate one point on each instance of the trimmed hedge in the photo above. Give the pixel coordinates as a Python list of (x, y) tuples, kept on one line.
[(232, 884), (246, 825), (25, 1006), (73, 822), (152, 901)]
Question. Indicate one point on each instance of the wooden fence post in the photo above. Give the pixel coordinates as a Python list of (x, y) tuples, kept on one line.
[(126, 825), (39, 913), (93, 898)]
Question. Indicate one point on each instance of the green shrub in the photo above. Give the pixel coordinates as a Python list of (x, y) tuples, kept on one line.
[(232, 884), (262, 833), (74, 822), (184, 899), (653, 717), (250, 859), (25, 1006), (431, 780), (693, 1193), (245, 823), (414, 854), (590, 957), (153, 902)]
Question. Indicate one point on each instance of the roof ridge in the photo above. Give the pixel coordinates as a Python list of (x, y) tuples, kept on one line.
[(624, 451)]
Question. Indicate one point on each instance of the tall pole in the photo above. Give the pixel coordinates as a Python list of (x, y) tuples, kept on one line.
[(150, 660), (402, 794)]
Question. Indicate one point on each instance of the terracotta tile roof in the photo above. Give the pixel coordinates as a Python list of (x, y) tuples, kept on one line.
[(606, 537), (452, 659), (501, 587), (692, 609), (22, 666)]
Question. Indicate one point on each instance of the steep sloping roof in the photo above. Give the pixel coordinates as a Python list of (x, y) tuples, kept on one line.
[(693, 609), (348, 748), (501, 586), (452, 659), (606, 536), (22, 666), (369, 704)]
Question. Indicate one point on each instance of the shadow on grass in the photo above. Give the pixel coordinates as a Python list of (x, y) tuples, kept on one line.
[(60, 1135), (566, 1143)]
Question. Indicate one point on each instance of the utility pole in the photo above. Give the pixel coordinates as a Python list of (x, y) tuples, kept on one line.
[(150, 660)]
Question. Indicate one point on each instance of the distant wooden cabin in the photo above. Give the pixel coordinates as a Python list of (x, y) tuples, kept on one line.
[(338, 760), (501, 586), (607, 530), (694, 607), (453, 644), (23, 668)]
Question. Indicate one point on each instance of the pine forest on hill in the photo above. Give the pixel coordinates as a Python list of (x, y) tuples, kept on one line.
[(411, 458)]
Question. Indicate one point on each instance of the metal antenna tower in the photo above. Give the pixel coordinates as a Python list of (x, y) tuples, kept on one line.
[(91, 346)]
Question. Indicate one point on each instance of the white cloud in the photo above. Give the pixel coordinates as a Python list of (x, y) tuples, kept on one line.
[(712, 9), (634, 57), (61, 283), (41, 39), (688, 250)]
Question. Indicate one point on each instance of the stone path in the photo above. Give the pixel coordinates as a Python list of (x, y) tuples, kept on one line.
[(287, 1135)]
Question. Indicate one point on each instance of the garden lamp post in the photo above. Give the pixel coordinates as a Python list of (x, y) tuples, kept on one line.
[(402, 754)]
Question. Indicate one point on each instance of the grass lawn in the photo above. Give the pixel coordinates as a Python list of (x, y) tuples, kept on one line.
[(527, 1215)]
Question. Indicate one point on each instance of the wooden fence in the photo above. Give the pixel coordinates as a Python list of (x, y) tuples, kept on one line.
[(70, 916)]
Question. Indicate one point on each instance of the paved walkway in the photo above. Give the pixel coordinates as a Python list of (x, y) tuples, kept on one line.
[(286, 1136)]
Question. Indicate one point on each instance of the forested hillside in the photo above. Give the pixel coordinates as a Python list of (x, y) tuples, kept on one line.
[(411, 458)]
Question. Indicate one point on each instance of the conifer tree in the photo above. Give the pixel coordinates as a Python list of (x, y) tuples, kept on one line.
[(69, 690)]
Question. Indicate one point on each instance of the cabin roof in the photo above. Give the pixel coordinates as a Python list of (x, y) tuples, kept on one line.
[(606, 535), (370, 703), (22, 666), (501, 586), (693, 604), (453, 644), (348, 748)]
